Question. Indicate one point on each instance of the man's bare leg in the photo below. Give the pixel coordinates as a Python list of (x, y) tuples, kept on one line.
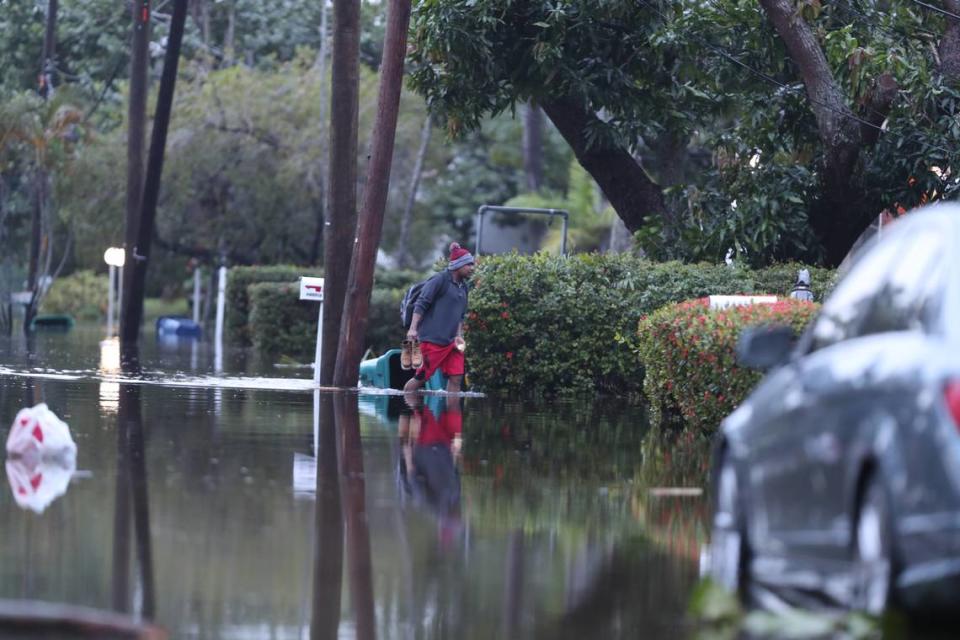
[(453, 384)]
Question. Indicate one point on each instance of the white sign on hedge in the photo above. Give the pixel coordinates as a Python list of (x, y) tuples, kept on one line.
[(722, 302)]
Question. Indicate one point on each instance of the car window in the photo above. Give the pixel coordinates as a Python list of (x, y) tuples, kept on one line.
[(842, 313), (895, 287), (910, 297)]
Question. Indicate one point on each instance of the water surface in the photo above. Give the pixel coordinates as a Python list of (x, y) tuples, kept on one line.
[(261, 511)]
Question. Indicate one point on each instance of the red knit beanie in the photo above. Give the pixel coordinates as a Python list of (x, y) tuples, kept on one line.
[(459, 257)]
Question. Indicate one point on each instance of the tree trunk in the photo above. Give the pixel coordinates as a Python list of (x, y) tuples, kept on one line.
[(403, 244), (228, 36), (34, 283), (533, 146), (353, 328), (949, 49), (321, 67), (140, 252), (623, 181), (341, 210), (835, 219), (49, 56), (136, 132)]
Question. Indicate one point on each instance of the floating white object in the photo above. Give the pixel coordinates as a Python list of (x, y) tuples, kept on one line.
[(41, 458), (39, 481), (39, 433)]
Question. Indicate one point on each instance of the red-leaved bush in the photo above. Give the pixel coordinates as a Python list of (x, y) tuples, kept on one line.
[(689, 354)]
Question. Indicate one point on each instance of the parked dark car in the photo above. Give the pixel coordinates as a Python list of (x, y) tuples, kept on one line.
[(839, 476)]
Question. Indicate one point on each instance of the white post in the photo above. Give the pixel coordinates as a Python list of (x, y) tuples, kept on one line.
[(112, 270), (316, 423), (318, 357), (196, 295), (119, 294), (221, 298)]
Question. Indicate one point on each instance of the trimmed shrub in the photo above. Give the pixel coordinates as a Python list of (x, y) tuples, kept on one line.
[(82, 294), (280, 323), (552, 325), (689, 352), (238, 298)]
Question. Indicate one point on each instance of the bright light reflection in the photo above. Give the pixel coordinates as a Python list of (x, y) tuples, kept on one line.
[(110, 363)]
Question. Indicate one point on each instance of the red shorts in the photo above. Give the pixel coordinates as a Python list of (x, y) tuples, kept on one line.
[(448, 359)]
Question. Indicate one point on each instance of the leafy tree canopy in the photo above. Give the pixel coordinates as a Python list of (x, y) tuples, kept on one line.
[(725, 118)]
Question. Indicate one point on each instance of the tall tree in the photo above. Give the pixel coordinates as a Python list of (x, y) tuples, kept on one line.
[(353, 328), (341, 209), (140, 251), (403, 244), (843, 134)]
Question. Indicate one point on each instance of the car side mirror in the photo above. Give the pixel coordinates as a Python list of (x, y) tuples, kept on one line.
[(765, 347)]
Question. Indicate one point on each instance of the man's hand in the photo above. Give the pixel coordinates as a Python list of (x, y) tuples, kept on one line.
[(412, 333), (460, 342)]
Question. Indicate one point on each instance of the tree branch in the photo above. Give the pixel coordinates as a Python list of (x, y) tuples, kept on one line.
[(630, 191)]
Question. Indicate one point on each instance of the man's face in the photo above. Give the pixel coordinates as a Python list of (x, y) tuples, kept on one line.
[(465, 271)]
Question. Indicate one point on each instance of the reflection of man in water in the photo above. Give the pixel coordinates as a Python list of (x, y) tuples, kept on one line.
[(428, 474)]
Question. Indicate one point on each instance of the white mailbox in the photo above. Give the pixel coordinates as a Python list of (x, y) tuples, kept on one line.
[(311, 288)]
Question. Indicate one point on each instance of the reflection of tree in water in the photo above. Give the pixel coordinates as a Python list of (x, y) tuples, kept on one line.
[(579, 441), (676, 523), (639, 592)]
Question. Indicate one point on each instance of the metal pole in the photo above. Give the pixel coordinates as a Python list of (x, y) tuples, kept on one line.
[(480, 212), (318, 357), (111, 278), (196, 295)]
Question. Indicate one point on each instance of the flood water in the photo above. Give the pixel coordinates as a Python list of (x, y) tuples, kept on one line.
[(259, 508)]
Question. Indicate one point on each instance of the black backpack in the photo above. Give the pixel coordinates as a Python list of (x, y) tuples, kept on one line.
[(410, 300)]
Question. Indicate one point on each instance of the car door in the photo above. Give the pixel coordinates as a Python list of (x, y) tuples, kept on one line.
[(804, 442), (859, 382), (898, 334)]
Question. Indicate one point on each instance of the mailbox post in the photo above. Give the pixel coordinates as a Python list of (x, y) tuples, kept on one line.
[(312, 289)]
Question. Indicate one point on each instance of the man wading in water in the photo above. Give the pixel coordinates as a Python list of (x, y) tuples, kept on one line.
[(438, 322)]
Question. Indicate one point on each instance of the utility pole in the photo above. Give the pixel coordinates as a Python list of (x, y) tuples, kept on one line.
[(340, 225), (140, 251), (136, 133), (353, 327)]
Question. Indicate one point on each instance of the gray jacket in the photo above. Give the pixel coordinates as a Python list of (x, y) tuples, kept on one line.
[(443, 304)]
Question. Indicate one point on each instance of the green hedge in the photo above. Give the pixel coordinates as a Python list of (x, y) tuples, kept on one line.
[(82, 294), (689, 352), (280, 324), (548, 324), (238, 298)]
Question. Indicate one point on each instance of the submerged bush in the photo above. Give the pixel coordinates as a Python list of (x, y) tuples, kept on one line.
[(82, 294), (555, 324), (689, 351), (238, 298)]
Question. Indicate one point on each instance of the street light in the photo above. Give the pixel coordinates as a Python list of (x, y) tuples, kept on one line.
[(114, 257)]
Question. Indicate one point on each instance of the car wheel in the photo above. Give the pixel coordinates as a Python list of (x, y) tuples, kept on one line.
[(728, 541), (872, 550)]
